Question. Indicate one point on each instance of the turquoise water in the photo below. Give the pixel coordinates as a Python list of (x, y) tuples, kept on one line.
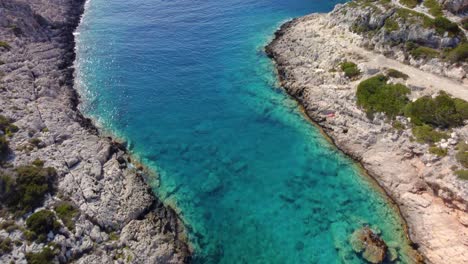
[(187, 85)]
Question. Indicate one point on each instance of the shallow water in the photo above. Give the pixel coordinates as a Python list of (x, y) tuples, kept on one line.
[(187, 84)]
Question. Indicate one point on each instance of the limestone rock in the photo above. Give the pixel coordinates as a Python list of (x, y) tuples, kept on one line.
[(369, 244)]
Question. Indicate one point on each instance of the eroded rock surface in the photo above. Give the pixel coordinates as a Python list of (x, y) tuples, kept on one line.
[(119, 218)]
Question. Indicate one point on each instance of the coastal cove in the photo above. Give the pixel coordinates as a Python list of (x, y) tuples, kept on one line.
[(188, 86)]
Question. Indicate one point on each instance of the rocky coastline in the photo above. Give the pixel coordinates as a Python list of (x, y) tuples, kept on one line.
[(102, 209), (308, 52)]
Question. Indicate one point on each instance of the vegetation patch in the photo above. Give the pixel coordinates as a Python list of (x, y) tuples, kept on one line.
[(41, 223), (4, 148), (5, 45), (396, 74), (25, 190), (376, 95), (426, 134), (422, 52), (38, 163), (398, 125), (462, 174), (458, 54), (442, 25), (35, 142), (6, 245), (46, 256), (409, 3), (464, 23), (67, 213), (442, 111), (440, 152), (7, 126), (350, 69), (434, 7), (462, 154), (391, 25)]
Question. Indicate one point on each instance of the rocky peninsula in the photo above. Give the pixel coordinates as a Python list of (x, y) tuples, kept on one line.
[(67, 193), (370, 74)]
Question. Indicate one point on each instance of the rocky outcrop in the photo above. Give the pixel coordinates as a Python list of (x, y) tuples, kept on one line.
[(396, 31), (369, 244), (308, 52), (119, 217), (455, 6)]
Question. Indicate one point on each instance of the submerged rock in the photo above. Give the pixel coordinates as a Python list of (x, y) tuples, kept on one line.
[(371, 247)]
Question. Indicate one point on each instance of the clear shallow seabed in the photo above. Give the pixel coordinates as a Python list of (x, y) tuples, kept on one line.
[(187, 85)]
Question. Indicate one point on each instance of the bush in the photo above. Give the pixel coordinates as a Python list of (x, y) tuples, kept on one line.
[(462, 174), (440, 152), (434, 7), (5, 45), (6, 126), (462, 154), (464, 23), (409, 3), (426, 134), (458, 54), (424, 53), (391, 25), (350, 69), (67, 212), (46, 256), (398, 125), (26, 191), (375, 95), (41, 223), (4, 148), (6, 245), (396, 74), (441, 111), (462, 107), (442, 25), (35, 142), (38, 163)]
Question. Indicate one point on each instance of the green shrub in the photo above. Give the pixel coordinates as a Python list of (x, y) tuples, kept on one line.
[(438, 151), (462, 154), (426, 134), (434, 7), (67, 213), (38, 163), (441, 111), (35, 142), (464, 23), (350, 69), (409, 3), (41, 223), (458, 54), (462, 107), (442, 25), (424, 53), (26, 191), (4, 148), (6, 126), (397, 74), (375, 95), (5, 45), (462, 174), (6, 245), (391, 25), (46, 256), (398, 125)]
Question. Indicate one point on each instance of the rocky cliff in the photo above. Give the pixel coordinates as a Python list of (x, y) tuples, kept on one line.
[(90, 203), (311, 54)]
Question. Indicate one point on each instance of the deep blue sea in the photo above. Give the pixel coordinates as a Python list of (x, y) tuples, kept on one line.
[(186, 83)]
